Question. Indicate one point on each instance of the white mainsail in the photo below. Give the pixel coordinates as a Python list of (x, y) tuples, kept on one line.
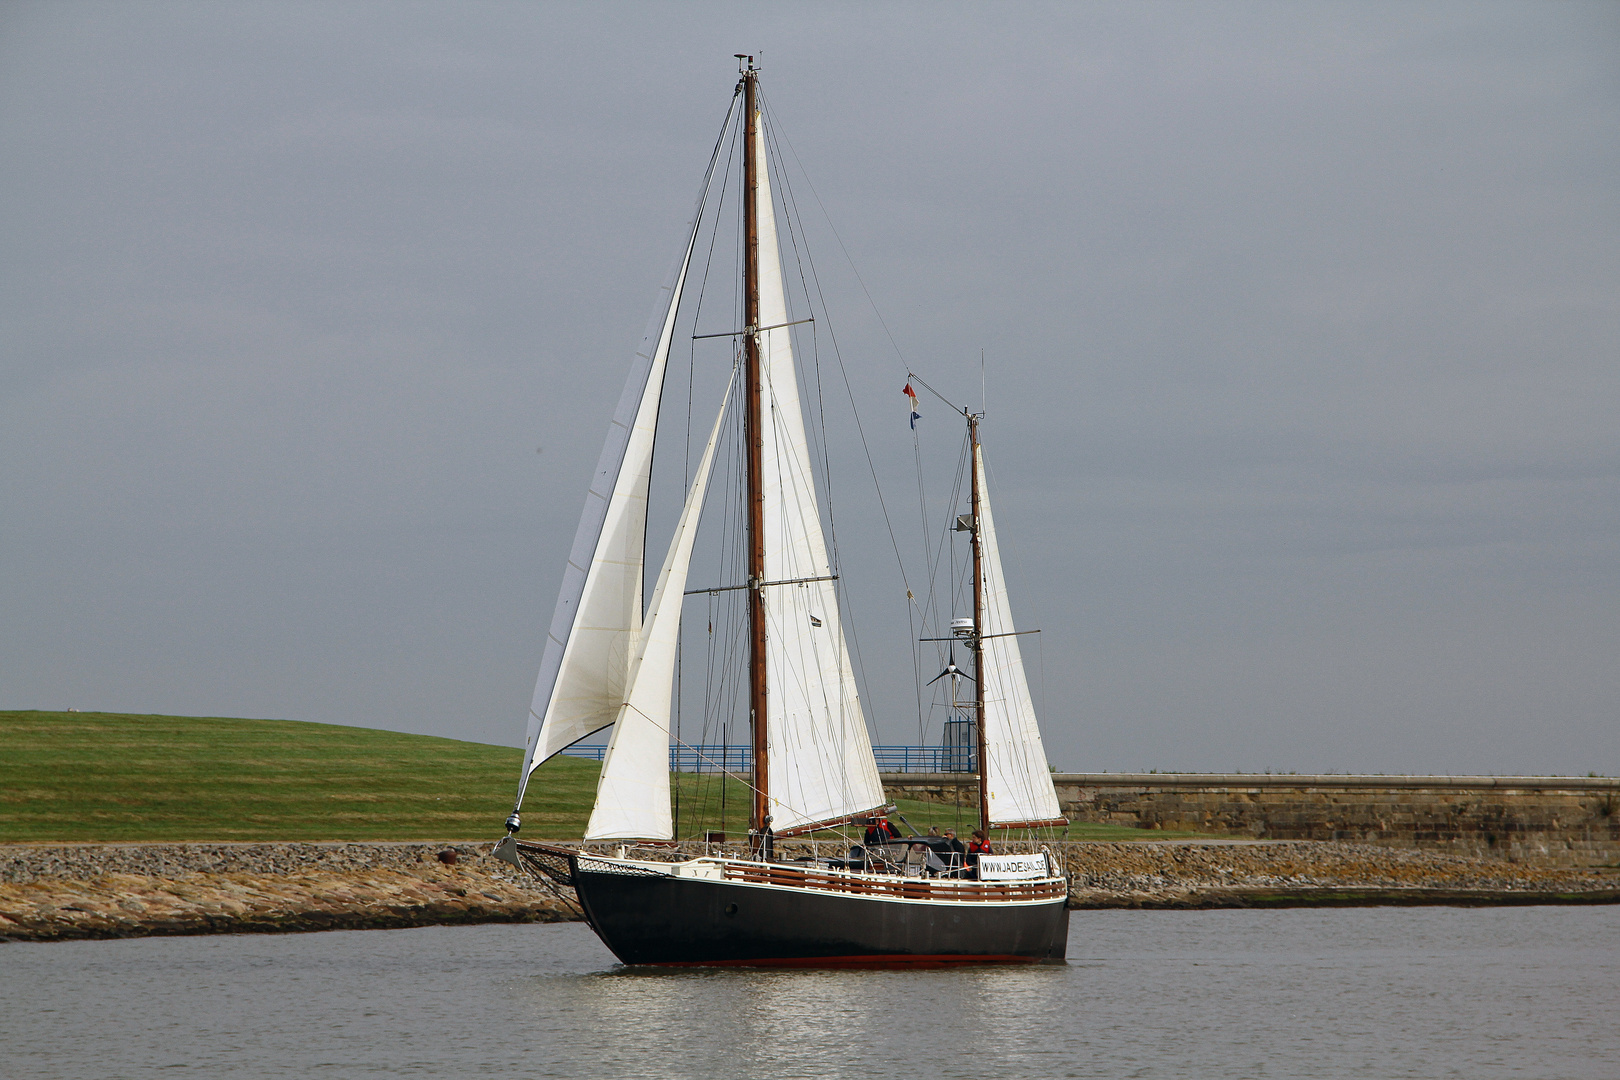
[(632, 794), (821, 767), (586, 666), (1017, 781)]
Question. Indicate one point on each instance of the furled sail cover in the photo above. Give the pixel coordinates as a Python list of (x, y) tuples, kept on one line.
[(586, 665), (632, 795), (821, 767), (1016, 775)]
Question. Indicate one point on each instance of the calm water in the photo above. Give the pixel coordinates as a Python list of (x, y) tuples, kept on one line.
[(1525, 992)]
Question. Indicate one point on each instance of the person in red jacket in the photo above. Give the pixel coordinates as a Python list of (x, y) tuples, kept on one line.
[(979, 845), (881, 831)]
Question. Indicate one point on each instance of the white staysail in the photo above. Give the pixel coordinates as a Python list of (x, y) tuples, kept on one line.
[(1017, 781), (632, 795), (821, 767), (586, 666)]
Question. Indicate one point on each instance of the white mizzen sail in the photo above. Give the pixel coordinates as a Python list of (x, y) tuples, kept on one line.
[(586, 665), (632, 795), (821, 767), (1016, 777)]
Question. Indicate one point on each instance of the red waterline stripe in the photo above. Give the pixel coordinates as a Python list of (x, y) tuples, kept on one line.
[(892, 960)]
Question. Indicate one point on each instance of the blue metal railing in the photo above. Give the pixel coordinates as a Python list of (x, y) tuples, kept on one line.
[(733, 757), (739, 757), (897, 758)]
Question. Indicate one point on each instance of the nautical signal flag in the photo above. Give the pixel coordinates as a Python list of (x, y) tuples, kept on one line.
[(915, 415)]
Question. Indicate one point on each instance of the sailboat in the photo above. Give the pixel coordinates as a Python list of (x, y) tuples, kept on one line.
[(610, 664)]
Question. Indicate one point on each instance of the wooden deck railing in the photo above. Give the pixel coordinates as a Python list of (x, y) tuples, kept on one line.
[(909, 888)]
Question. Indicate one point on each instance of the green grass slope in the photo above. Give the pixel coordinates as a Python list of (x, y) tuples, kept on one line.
[(108, 777)]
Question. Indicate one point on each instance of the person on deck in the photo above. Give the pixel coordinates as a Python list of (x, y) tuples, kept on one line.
[(956, 857), (979, 845), (880, 830)]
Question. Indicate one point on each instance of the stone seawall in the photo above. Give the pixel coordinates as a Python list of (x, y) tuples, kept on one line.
[(67, 891), (1557, 821), (1238, 873)]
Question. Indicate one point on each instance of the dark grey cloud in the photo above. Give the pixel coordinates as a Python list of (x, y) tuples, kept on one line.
[(1300, 328)]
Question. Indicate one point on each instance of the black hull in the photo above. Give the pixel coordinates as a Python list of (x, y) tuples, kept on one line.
[(659, 919)]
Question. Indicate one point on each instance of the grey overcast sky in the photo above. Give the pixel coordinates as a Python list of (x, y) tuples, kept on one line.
[(1300, 325)]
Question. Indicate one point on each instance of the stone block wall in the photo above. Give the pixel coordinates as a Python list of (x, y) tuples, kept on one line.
[(1562, 821)]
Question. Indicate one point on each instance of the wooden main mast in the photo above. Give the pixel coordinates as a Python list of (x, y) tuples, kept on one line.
[(759, 818)]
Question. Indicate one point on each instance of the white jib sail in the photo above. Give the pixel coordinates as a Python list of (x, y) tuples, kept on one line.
[(1017, 779), (632, 795), (821, 767), (586, 665)]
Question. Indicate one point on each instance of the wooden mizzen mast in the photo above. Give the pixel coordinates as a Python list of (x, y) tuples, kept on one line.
[(977, 641)]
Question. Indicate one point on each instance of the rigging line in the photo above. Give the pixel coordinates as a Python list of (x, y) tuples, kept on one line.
[(703, 287), (796, 236), (686, 455), (799, 663), (841, 598), (922, 499), (929, 569), (916, 669), (911, 622), (953, 581), (714, 679), (779, 161), (817, 196), (815, 277), (706, 686), (1040, 668), (948, 533), (675, 302), (733, 684), (838, 710), (697, 751), (860, 428), (545, 879), (680, 638), (714, 237), (739, 301), (678, 641), (954, 407), (680, 626), (869, 716)]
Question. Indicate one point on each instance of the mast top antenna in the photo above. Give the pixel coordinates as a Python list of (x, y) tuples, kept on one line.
[(744, 67)]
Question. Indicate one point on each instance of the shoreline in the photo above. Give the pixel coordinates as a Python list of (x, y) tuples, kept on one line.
[(65, 892), (1336, 897)]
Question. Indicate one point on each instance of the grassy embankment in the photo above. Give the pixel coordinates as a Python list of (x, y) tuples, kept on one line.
[(109, 777)]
